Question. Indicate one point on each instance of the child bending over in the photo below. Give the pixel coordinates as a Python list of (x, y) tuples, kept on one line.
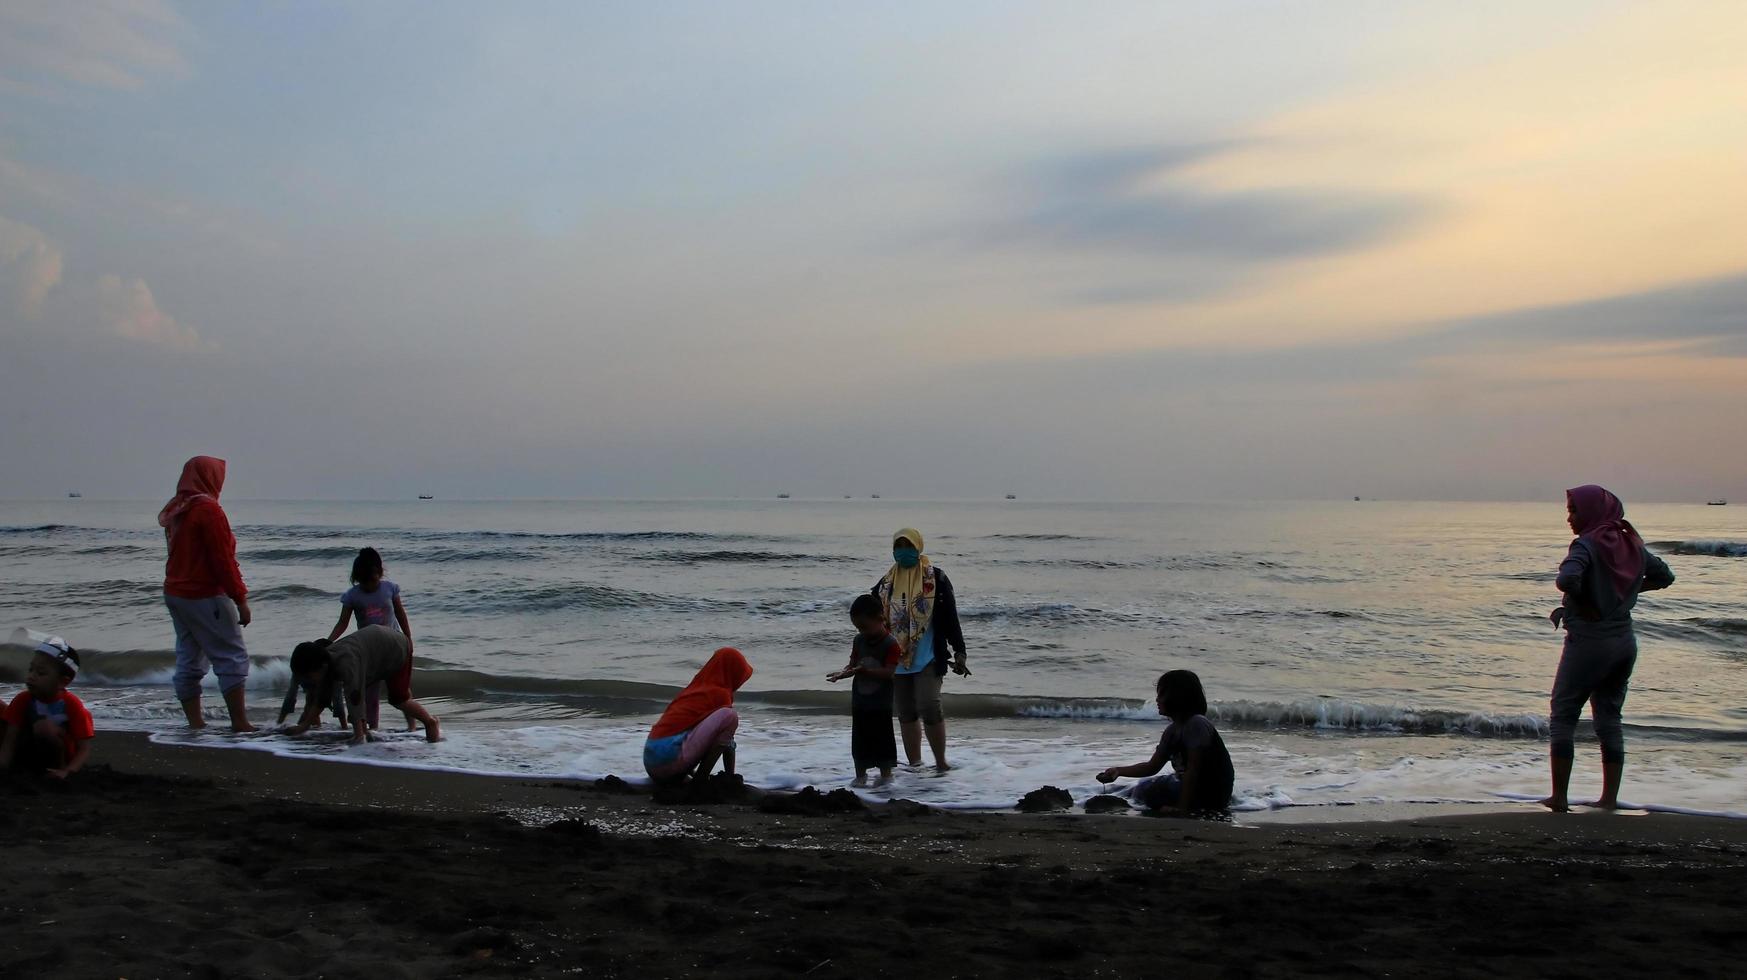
[(349, 667)]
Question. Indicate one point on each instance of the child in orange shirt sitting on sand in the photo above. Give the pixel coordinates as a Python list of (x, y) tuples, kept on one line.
[(48, 729)]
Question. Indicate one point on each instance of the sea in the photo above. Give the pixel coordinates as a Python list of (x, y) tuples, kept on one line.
[(1355, 653)]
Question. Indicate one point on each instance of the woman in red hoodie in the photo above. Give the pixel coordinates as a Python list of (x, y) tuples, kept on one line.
[(698, 727), (205, 592)]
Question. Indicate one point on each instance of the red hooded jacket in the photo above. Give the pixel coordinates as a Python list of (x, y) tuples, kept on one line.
[(203, 552), (712, 688)]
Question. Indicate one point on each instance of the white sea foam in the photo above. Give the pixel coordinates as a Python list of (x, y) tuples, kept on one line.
[(996, 763)]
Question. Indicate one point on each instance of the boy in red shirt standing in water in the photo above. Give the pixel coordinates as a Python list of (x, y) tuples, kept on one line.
[(51, 725)]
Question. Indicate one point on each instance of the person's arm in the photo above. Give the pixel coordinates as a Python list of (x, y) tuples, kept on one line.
[(289, 705), (847, 670), (1572, 569), (81, 752), (311, 714), (339, 629), (1148, 768), (1570, 583), (1657, 574), (400, 616), (352, 680), (220, 546), (312, 707), (1190, 776), (945, 619)]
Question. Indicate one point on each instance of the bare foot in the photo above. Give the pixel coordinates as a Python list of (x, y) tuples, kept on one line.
[(243, 727), (1556, 805), (860, 781), (1602, 804), (883, 780), (197, 725), (942, 767), (431, 732)]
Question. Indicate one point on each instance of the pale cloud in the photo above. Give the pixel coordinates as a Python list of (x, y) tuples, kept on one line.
[(129, 310), (1607, 160), (30, 266), (105, 44)]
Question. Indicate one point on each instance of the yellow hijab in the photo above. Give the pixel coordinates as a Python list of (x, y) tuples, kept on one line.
[(909, 597)]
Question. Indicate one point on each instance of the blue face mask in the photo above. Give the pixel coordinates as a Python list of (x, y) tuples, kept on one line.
[(906, 557)]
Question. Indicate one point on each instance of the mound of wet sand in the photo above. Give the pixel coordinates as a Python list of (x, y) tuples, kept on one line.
[(1046, 799), (1107, 804)]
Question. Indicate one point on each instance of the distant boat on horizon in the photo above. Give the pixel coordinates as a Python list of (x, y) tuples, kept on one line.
[(1012, 496), (426, 496), (875, 497), (74, 493), (782, 496), (1719, 502)]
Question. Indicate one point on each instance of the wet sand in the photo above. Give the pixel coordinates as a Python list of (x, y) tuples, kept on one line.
[(184, 862)]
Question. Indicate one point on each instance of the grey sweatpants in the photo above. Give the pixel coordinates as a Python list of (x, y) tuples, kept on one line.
[(207, 635), (1593, 669)]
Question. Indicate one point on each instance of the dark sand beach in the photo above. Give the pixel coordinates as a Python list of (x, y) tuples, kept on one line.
[(173, 862)]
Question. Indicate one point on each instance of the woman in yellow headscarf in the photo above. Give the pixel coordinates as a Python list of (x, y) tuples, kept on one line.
[(923, 615)]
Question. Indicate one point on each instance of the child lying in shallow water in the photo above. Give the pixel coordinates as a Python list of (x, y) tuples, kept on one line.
[(1201, 782)]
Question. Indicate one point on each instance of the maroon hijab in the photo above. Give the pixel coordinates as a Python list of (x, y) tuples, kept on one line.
[(1600, 519)]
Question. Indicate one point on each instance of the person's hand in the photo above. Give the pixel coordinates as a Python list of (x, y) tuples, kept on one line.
[(1107, 776), (1557, 616), (958, 666), (834, 676), (58, 773), (243, 616)]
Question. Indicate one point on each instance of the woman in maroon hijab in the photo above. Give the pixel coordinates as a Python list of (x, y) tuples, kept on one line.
[(1601, 576), (205, 592)]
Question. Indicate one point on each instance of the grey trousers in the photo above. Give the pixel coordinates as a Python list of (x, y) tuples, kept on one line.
[(207, 636), (1597, 670)]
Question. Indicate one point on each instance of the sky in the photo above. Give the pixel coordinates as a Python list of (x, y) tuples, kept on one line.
[(1128, 251)]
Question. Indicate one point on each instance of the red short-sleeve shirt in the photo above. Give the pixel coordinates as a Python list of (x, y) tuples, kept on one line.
[(66, 711)]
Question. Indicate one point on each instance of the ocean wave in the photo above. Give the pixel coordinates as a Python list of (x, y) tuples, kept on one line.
[(77, 530), (28, 550), (329, 553), (1724, 632), (368, 535), (1036, 537), (1083, 564), (606, 697), (1319, 714), (739, 557), (102, 592), (113, 549), (292, 592), (1714, 548), (413, 554), (37, 529)]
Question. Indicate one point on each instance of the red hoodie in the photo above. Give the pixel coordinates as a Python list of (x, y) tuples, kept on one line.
[(203, 552), (712, 688)]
